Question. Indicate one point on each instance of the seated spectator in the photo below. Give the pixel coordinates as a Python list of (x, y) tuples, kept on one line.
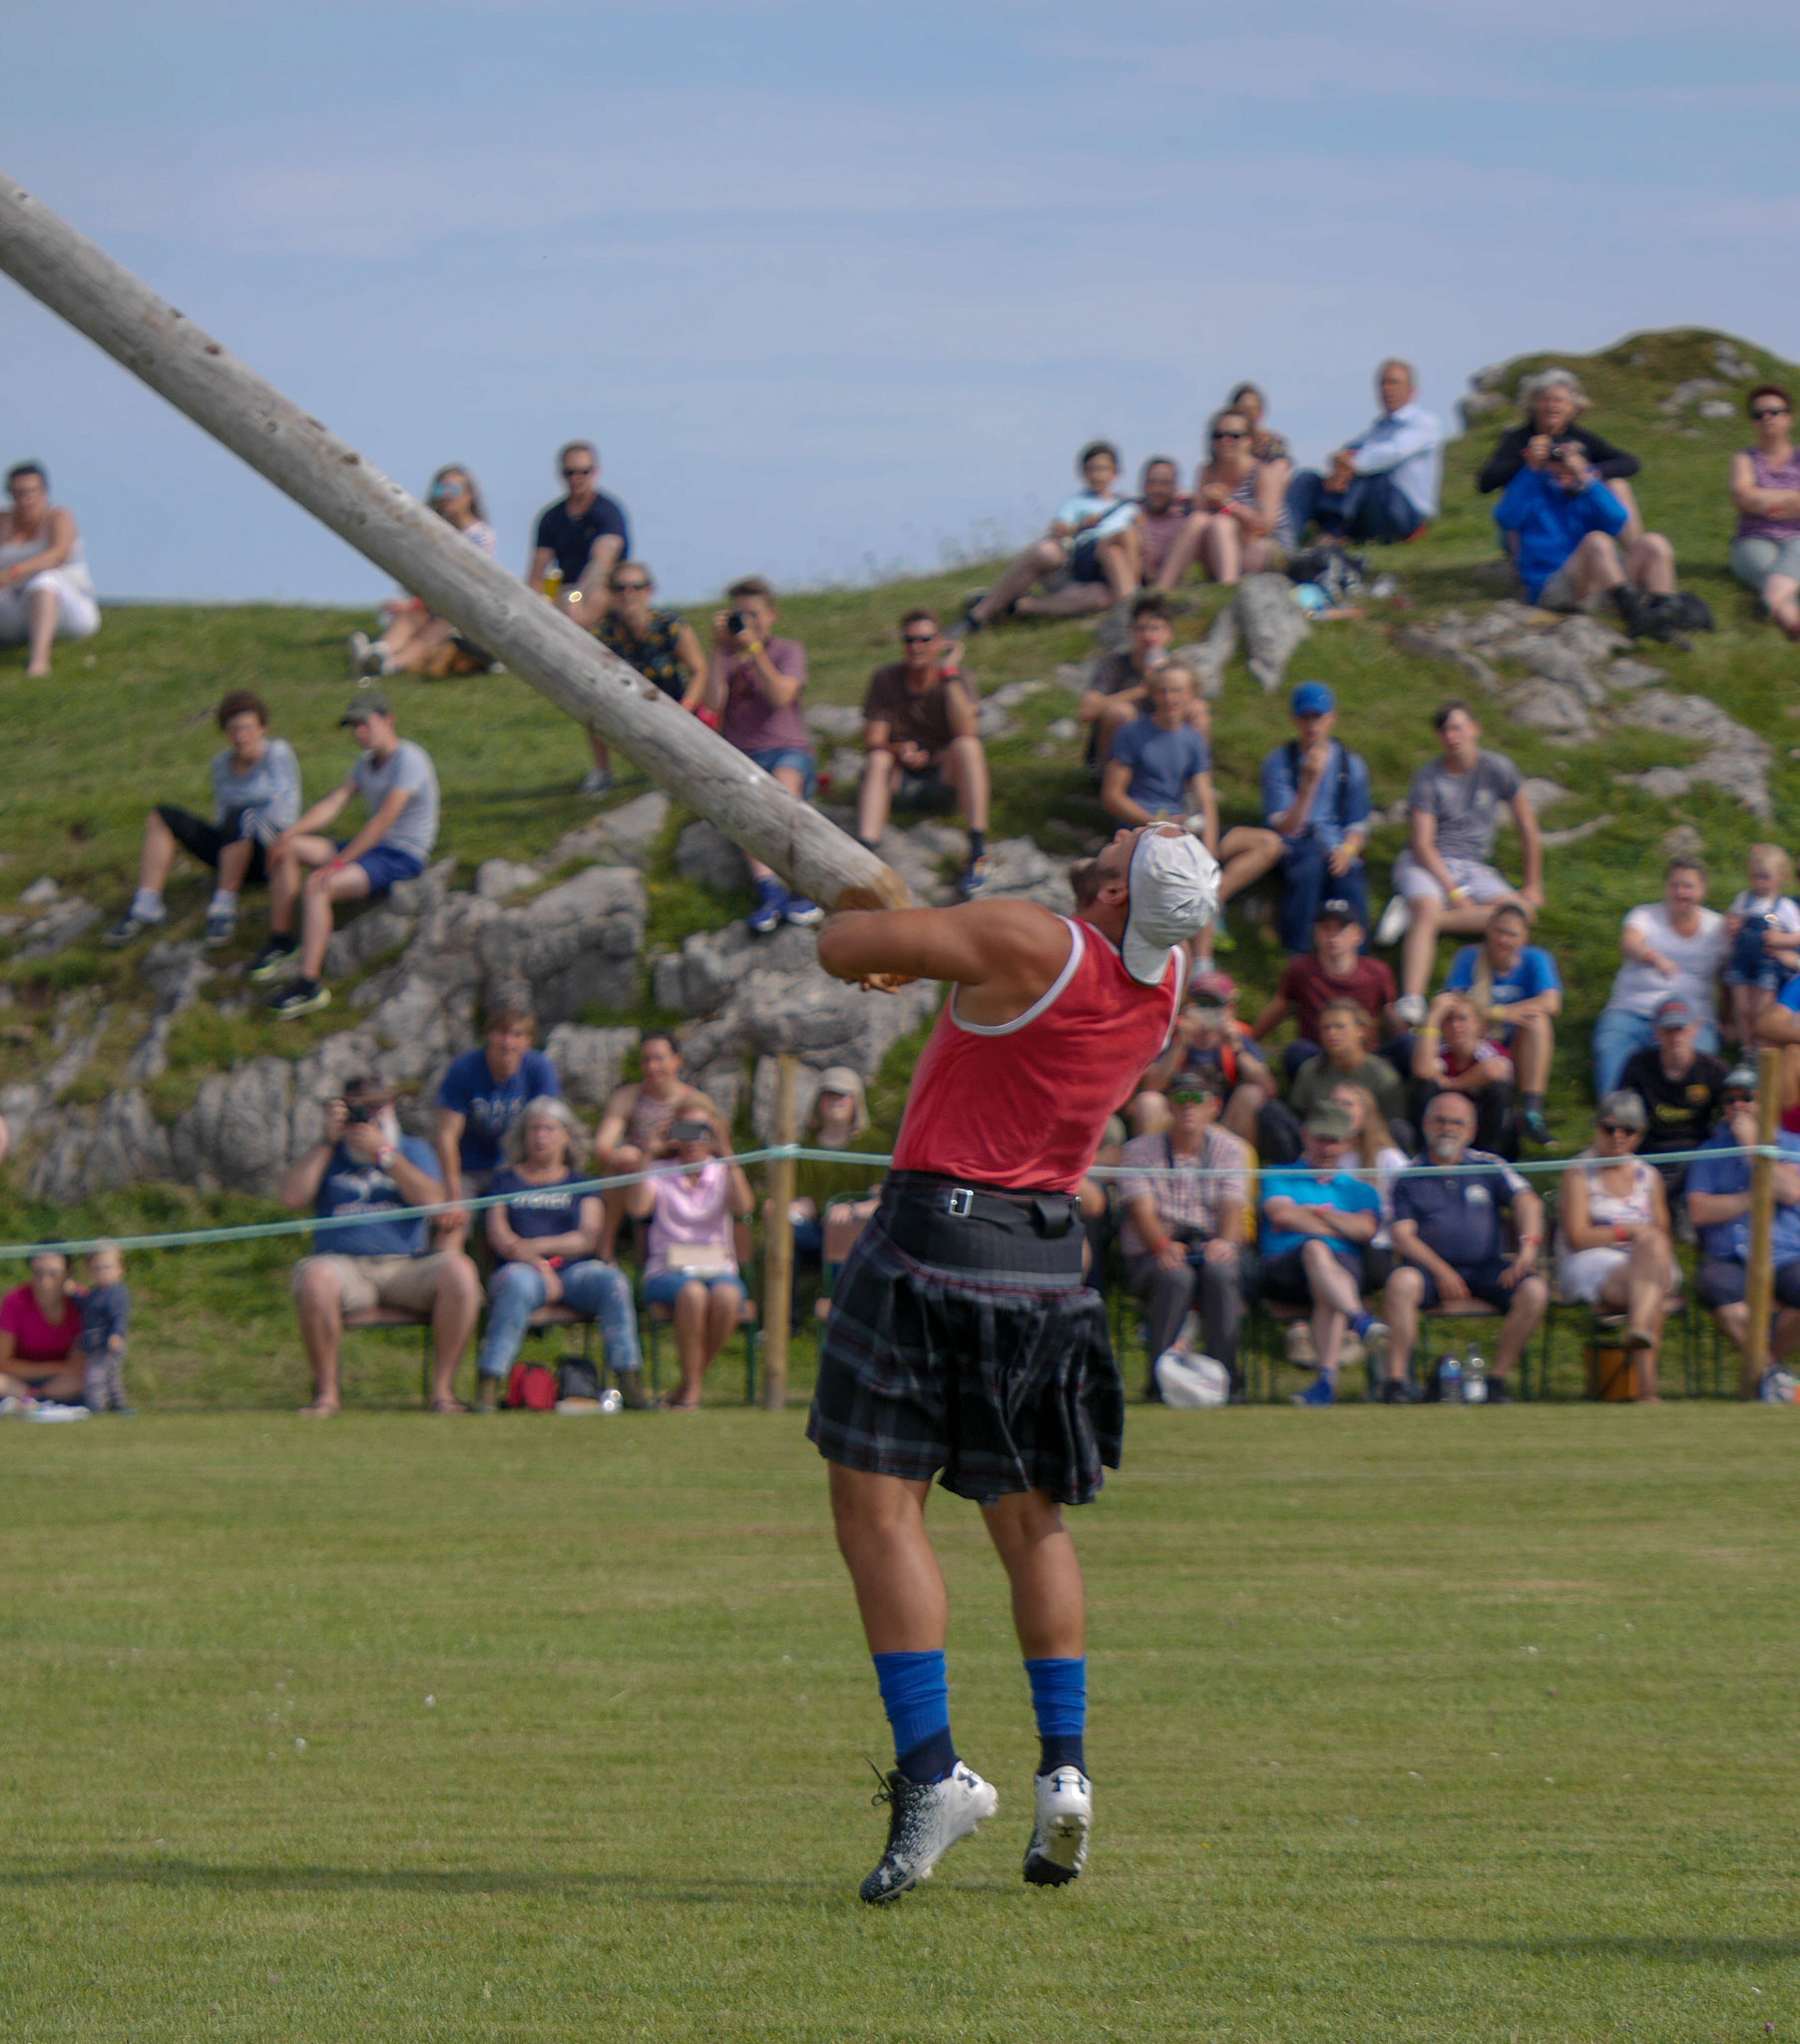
[(1182, 1235), (827, 1213), (1451, 1251), (1338, 968), (1553, 401), (255, 797), (637, 1115), (482, 1094), (1083, 572), (1681, 1086), (1250, 404), (1765, 487), (1517, 993), (1445, 879), (544, 1243), (755, 683), (1346, 1055), (1207, 1044), (413, 641), (1561, 522), (580, 539), (1381, 486), (364, 1166), (399, 786), (1763, 927), (40, 1332), (691, 1268), (1119, 690), (45, 592), (1149, 542), (660, 645), (1381, 1160), (1615, 1250), (1315, 795), (1316, 1222), (1675, 946), (1719, 1204), (920, 731), (1451, 1055), (1238, 503)]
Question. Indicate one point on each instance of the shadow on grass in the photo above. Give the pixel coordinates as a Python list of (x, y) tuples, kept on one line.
[(1682, 1948)]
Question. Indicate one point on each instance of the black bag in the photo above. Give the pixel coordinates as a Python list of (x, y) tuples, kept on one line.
[(1671, 617), (576, 1377)]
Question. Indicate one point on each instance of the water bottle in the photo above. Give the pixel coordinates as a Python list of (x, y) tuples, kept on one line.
[(1475, 1377), (1450, 1379), (610, 1400)]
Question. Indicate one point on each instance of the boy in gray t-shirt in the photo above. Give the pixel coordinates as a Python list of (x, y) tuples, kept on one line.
[(396, 779)]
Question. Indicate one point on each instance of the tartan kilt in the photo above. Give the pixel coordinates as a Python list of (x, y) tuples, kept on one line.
[(999, 1384)]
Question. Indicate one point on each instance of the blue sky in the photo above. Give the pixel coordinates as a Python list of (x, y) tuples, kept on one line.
[(835, 287)]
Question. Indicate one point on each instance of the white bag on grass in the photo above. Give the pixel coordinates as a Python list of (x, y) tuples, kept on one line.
[(1191, 1380)]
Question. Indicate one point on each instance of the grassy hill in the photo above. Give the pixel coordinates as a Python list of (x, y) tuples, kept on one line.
[(127, 722)]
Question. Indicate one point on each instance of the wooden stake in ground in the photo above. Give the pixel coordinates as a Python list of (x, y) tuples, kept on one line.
[(779, 1252), (424, 554), (1759, 1282)]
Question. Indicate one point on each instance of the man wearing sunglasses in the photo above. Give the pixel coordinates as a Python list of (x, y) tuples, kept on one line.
[(923, 752), (581, 539)]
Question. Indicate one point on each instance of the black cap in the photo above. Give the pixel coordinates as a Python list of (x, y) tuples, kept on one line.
[(1337, 909), (365, 706)]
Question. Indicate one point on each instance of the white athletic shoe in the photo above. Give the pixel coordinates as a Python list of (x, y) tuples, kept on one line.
[(1411, 1010), (48, 1412), (1396, 920), (1059, 1847), (925, 1818)]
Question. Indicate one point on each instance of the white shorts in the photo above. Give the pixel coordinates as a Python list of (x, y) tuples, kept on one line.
[(78, 612), (1480, 883), (1581, 1272)]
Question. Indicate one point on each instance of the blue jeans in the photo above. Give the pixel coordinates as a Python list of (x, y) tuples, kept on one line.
[(1619, 1035), (663, 1288), (1306, 884), (1373, 508), (598, 1291)]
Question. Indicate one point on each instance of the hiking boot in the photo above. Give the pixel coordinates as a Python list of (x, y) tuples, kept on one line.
[(273, 958), (764, 918), (974, 877), (1322, 1391), (1628, 602), (925, 1818), (1395, 1392), (1065, 1816), (803, 914), (304, 997), (632, 1394), (130, 927), (221, 929), (1536, 1129)]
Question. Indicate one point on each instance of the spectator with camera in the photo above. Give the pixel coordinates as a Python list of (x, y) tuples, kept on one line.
[(577, 542), (1210, 1046), (398, 787), (1765, 487), (1552, 402), (922, 743), (545, 1242), (1383, 485), (255, 797), (1087, 556), (1183, 1235), (46, 591), (482, 1095), (755, 683), (1560, 523), (637, 1115), (364, 1166), (1719, 1204), (692, 1266), (1315, 796)]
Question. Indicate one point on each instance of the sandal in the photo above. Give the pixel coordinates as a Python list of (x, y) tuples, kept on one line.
[(317, 1411), (447, 1406)]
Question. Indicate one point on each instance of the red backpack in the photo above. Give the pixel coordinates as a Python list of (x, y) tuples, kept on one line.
[(531, 1386)]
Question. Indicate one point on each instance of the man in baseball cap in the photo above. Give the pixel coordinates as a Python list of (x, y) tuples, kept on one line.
[(1315, 794), (1173, 886), (1682, 1086)]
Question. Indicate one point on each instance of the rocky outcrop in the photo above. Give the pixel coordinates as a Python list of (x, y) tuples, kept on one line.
[(575, 946)]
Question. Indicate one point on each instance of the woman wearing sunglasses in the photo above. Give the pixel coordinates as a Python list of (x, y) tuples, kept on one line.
[(1236, 501), (1765, 487), (413, 641), (1615, 1248)]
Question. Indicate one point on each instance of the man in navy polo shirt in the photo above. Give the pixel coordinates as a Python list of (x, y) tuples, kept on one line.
[(1718, 1204), (483, 1092), (582, 537), (1447, 1230)]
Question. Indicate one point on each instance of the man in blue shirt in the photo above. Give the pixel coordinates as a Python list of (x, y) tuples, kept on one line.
[(581, 539), (482, 1094), (1316, 1221), (365, 1167), (1560, 522), (1718, 1204), (1315, 794), (1447, 1230), (1383, 485), (1160, 763)]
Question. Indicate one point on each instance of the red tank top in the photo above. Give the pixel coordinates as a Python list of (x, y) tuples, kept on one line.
[(1024, 1104)]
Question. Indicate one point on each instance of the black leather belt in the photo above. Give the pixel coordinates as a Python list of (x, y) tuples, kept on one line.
[(1049, 1215)]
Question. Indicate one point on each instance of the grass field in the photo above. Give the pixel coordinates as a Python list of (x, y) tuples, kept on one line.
[(1434, 1726)]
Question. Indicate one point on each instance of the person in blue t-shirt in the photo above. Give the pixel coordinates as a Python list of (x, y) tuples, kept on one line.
[(1315, 796), (1160, 763), (482, 1094), (1448, 1233), (1316, 1220), (365, 1167), (1719, 1204), (1561, 524), (1518, 994)]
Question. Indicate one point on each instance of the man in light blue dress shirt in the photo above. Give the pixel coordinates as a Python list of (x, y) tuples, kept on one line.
[(1383, 485)]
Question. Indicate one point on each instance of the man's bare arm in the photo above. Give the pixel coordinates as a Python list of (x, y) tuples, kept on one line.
[(1004, 954)]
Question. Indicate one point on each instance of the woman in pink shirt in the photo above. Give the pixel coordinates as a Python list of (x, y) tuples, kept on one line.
[(39, 1325), (691, 1268)]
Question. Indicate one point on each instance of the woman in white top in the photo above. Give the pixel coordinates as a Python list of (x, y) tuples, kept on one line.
[(1676, 946), (45, 592), (412, 641), (1614, 1242)]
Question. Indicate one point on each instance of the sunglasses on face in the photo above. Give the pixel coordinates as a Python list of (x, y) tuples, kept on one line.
[(920, 638), (1769, 411), (570, 474), (629, 588), (1230, 433), (1615, 1129)]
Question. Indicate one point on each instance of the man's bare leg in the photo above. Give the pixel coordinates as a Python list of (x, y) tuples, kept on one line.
[(319, 1303), (1050, 1605), (1433, 917), (1043, 557), (1245, 853), (1072, 599), (1530, 1298), (874, 795), (900, 1593)]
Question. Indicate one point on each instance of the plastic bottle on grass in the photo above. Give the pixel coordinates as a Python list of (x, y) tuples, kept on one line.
[(1474, 1376), (1450, 1379)]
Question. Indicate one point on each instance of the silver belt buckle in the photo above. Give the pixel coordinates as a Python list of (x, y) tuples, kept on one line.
[(961, 1202)]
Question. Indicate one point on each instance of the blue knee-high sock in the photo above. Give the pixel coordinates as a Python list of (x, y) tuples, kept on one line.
[(1059, 1699), (915, 1692)]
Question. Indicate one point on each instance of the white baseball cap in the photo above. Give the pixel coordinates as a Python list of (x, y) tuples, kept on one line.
[(1174, 884)]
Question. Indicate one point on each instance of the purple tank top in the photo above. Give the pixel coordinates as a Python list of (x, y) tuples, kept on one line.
[(1758, 524)]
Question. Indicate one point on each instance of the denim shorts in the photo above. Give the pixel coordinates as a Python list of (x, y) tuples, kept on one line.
[(387, 868), (803, 762), (663, 1288)]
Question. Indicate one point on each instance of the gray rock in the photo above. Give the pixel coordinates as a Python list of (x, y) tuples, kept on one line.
[(1682, 841), (1545, 795), (1064, 730), (576, 946), (1078, 675), (834, 719), (319, 1079), (447, 947), (705, 853), (1010, 695), (176, 973), (92, 1150), (845, 768), (1438, 643), (588, 1061), (40, 893), (1478, 404), (1688, 392), (765, 1086), (388, 924), (1550, 706), (712, 964), (1273, 623), (67, 918), (1019, 868), (723, 1083), (1555, 839), (626, 836), (1737, 762), (236, 1136), (1624, 674), (1716, 408), (1555, 661), (496, 878), (993, 722), (421, 1026), (1588, 638)]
